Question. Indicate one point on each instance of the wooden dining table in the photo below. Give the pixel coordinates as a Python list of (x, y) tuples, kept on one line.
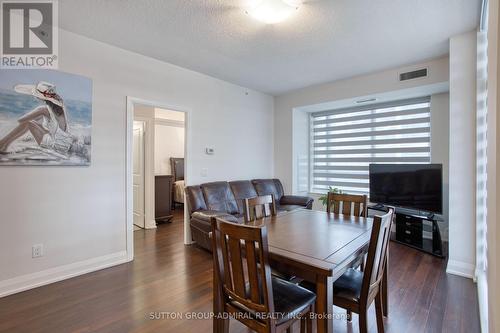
[(318, 247)]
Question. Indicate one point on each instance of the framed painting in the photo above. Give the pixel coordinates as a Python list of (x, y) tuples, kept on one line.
[(45, 118)]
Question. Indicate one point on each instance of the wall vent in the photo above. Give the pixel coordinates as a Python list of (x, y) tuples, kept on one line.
[(413, 74)]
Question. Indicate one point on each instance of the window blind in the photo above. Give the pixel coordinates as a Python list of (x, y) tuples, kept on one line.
[(345, 141)]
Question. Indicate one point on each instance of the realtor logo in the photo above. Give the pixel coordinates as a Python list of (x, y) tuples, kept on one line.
[(29, 34)]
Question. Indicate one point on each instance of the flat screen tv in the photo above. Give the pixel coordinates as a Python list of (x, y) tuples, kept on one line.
[(414, 186)]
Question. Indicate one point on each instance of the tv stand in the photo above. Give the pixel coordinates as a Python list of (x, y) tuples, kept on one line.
[(418, 231), (430, 216)]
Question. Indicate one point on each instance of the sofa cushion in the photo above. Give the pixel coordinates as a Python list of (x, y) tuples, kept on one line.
[(242, 189), (268, 186), (288, 208), (196, 201), (303, 201), (218, 196), (206, 215), (201, 225)]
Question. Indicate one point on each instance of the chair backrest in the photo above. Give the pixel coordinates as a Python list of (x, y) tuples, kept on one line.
[(258, 207), (250, 286), (348, 201), (377, 253)]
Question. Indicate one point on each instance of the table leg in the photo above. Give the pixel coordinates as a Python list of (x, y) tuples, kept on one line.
[(324, 304), (385, 299)]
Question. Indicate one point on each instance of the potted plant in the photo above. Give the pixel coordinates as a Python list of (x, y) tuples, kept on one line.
[(324, 198)]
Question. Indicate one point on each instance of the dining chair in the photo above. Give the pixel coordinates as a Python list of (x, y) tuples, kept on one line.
[(352, 205), (244, 287), (258, 207), (355, 291), (347, 201)]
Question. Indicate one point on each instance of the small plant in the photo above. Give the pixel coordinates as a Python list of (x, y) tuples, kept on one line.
[(324, 198)]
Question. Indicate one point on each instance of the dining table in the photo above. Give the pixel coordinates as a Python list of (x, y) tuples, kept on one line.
[(318, 247)]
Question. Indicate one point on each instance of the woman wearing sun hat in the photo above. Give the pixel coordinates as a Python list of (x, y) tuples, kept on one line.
[(47, 123)]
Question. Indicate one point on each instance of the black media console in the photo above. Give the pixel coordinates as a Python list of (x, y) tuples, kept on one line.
[(417, 231)]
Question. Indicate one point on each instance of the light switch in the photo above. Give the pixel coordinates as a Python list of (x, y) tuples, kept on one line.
[(209, 151)]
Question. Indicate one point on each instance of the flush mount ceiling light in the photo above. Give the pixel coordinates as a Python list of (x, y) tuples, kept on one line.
[(273, 11)]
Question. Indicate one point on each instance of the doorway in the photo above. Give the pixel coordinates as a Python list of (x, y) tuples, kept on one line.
[(156, 167), (138, 175)]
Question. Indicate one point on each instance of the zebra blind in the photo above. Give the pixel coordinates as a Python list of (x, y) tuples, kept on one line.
[(345, 142)]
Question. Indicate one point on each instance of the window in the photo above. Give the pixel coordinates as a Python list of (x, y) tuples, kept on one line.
[(344, 142)]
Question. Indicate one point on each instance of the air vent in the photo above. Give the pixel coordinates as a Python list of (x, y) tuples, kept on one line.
[(413, 75)]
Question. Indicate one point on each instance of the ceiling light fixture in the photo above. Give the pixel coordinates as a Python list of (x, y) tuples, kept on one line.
[(273, 11)]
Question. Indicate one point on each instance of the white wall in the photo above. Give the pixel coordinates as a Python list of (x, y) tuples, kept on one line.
[(342, 91), (144, 111), (78, 213), (169, 142), (169, 139), (440, 149), (462, 161), (168, 114)]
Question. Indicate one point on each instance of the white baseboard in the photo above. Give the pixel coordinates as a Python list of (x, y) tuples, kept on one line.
[(461, 269), (34, 280)]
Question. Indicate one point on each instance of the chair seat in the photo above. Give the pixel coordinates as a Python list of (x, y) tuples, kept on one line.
[(290, 300), (348, 286)]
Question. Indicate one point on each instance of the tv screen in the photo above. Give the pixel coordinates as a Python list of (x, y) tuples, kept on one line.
[(415, 186)]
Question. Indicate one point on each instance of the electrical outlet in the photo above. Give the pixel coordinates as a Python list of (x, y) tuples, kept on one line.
[(37, 251)]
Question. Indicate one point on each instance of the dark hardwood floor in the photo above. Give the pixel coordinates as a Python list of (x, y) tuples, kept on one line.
[(169, 278)]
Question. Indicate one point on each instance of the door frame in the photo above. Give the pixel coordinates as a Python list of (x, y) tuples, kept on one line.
[(149, 181)]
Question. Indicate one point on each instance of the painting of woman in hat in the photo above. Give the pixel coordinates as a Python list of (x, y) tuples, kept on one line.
[(45, 118), (44, 122)]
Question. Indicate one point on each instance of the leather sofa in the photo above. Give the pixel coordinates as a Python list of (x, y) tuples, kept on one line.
[(225, 199)]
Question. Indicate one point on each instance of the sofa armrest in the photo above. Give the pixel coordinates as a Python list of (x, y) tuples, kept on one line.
[(206, 215), (298, 200)]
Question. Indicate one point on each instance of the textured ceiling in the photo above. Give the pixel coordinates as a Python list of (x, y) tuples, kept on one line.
[(325, 40)]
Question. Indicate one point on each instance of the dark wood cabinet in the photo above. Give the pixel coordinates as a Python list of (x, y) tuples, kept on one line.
[(163, 198)]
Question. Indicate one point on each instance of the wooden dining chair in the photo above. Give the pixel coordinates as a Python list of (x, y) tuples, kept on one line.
[(245, 288), (258, 207), (347, 201), (355, 291), (352, 205)]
